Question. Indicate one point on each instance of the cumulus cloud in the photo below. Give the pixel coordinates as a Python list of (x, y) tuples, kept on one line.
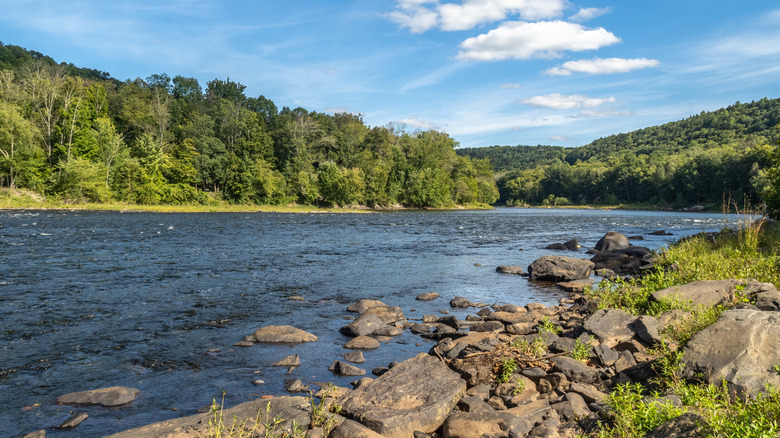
[(523, 40), (566, 101), (585, 14), (600, 66), (422, 15)]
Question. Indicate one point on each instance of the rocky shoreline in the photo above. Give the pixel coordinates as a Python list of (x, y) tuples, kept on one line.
[(506, 370)]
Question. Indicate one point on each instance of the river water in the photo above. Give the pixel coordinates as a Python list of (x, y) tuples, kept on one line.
[(96, 299)]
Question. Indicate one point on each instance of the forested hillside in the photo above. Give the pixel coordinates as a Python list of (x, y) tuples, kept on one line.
[(724, 154), (79, 135)]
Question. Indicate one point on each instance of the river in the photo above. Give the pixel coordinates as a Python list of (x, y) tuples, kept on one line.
[(96, 299)]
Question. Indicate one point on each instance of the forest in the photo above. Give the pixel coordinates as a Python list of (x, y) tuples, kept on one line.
[(709, 158), (79, 135)]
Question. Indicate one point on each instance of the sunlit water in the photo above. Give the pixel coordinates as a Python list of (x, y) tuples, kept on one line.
[(97, 299)]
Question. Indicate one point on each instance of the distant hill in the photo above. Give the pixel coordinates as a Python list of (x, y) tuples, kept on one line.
[(704, 158)]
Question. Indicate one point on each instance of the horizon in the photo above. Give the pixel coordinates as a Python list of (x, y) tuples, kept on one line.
[(486, 72)]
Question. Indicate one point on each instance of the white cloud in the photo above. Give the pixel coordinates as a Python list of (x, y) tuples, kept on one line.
[(585, 14), (523, 40), (417, 123), (589, 114), (511, 85), (602, 66), (422, 15), (564, 101), (562, 138)]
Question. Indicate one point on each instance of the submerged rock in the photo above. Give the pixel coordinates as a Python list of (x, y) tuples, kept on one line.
[(114, 396)]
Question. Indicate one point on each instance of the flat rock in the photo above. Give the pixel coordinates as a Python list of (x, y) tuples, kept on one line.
[(687, 425), (291, 409), (388, 314), (353, 429), (362, 305), (345, 369), (575, 286), (292, 360), (534, 412), (483, 422), (513, 270), (558, 268), (365, 324), (362, 343), (354, 357), (575, 370), (611, 326), (114, 396), (428, 296), (282, 334), (415, 395), (710, 292), (74, 420), (741, 347)]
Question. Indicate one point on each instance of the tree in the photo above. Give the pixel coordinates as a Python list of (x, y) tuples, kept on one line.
[(17, 148)]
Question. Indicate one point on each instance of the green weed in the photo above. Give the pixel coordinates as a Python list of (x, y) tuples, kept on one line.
[(581, 350)]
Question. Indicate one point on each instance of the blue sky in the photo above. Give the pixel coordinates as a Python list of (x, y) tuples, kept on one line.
[(487, 72)]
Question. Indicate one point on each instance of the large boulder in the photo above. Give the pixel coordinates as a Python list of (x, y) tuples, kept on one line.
[(282, 334), (711, 292), (415, 395), (626, 261), (612, 241), (742, 347), (114, 396), (363, 305), (363, 325), (388, 314), (484, 422), (558, 268)]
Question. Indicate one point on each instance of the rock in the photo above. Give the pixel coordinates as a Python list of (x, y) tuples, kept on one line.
[(521, 328), (510, 308), (388, 314), (460, 303), (534, 412), (710, 292), (290, 361), (534, 372), (510, 317), (363, 305), (345, 369), (108, 397), (363, 343), (487, 326), (611, 326), (37, 434), (558, 268), (628, 261), (473, 403), (589, 393), (416, 395), (625, 361), (575, 370), (687, 425), (513, 270), (660, 233), (378, 371), (282, 333), (606, 356), (353, 429), (484, 423), (419, 329), (244, 344), (74, 420), (572, 407), (258, 382), (365, 324), (354, 357), (646, 329), (636, 238), (294, 385), (450, 320), (296, 298), (575, 286), (611, 241), (768, 301), (388, 330), (428, 296), (291, 409), (605, 273), (741, 347)]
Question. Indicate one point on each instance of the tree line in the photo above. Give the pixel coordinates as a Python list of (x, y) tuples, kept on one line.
[(79, 135), (704, 159)]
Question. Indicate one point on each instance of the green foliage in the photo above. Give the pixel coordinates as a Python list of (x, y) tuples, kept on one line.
[(634, 416), (582, 350), (547, 326), (508, 368)]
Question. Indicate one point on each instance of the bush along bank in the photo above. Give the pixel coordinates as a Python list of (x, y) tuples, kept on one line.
[(634, 357)]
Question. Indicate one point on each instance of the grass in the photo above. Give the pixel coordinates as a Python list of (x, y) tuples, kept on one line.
[(263, 425)]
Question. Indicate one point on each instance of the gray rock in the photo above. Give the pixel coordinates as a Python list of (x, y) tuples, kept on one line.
[(472, 403), (388, 330), (558, 268), (482, 391), (511, 317), (363, 305), (513, 270), (244, 344), (37, 434), (294, 385), (113, 396), (345, 369), (488, 326), (589, 393), (687, 425), (484, 423), (362, 343), (388, 314), (768, 301), (646, 329), (575, 370), (611, 241), (282, 334), (575, 286), (510, 308), (534, 412), (460, 303), (626, 261), (741, 347), (419, 329), (363, 325), (416, 395), (74, 420), (521, 328), (709, 292), (353, 429), (611, 326), (428, 296), (450, 320), (290, 361), (534, 372), (354, 357), (573, 407)]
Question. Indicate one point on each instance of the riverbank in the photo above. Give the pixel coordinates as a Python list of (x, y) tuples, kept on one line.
[(26, 200), (630, 380)]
